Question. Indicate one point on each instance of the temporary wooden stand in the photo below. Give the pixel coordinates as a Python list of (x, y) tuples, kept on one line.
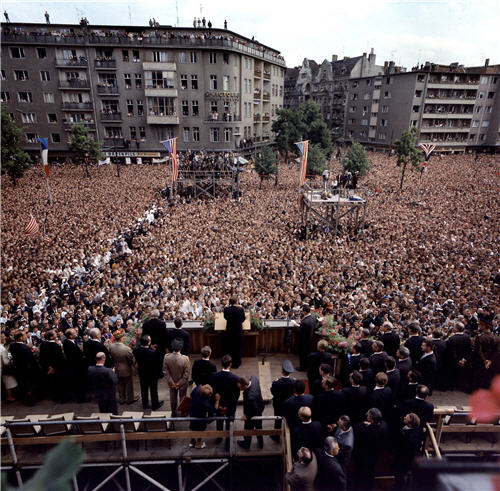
[(341, 211), (208, 183)]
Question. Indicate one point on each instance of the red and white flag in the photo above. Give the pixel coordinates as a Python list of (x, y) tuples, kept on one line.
[(171, 147), (32, 228), (304, 149)]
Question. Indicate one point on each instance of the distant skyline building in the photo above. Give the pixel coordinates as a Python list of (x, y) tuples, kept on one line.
[(134, 86)]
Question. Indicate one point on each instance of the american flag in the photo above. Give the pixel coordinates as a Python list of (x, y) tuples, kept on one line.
[(32, 228), (428, 148), (304, 149), (171, 147)]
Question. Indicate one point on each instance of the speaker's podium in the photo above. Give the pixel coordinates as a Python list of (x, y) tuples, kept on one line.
[(249, 341)]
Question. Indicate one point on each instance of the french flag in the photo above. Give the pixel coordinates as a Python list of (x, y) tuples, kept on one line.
[(44, 142)]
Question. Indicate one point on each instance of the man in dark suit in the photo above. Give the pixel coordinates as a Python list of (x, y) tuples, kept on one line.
[(149, 369), (356, 397), (355, 357), (53, 363), (309, 433), (366, 343), (178, 332), (418, 405), (409, 390), (381, 396), (367, 373), (282, 389), (442, 380), (414, 343), (77, 368), (304, 336), (427, 364), (104, 381), (304, 471), (330, 404), (292, 405), (157, 331), (459, 348), (390, 339), (235, 316), (393, 376), (202, 370), (378, 357), (330, 473), (316, 359), (403, 364), (253, 405), (316, 386), (225, 384), (94, 346)]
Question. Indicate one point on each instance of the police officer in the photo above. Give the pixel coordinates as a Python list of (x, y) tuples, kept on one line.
[(282, 389)]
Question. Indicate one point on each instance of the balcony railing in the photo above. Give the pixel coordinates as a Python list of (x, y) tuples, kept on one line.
[(89, 124), (256, 94), (74, 83), (113, 116), (266, 119), (221, 119), (98, 63), (257, 73), (267, 75), (266, 96), (103, 89), (75, 62), (113, 142), (256, 118), (82, 106)]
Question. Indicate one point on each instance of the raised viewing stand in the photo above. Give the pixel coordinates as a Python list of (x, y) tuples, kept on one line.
[(341, 211), (208, 183)]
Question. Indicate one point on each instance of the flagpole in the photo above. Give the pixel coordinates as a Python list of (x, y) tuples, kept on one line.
[(45, 164), (48, 191)]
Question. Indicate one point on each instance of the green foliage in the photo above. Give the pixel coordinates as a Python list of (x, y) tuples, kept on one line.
[(287, 130), (61, 463), (356, 160), (316, 160), (407, 152), (266, 163), (313, 128), (82, 143), (14, 160)]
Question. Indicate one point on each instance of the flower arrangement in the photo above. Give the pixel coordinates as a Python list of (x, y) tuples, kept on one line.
[(208, 322), (337, 343)]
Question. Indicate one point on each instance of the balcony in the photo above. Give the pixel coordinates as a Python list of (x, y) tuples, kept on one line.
[(88, 124), (223, 119), (113, 142), (101, 64), (447, 115), (160, 118), (444, 100), (256, 118), (451, 85), (111, 116), (67, 63), (257, 73), (256, 94), (444, 129), (77, 106), (266, 96), (266, 118), (160, 91), (74, 83), (108, 90), (267, 75)]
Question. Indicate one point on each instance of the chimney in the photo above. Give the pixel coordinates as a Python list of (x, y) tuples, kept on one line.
[(334, 58), (486, 62), (364, 55), (372, 56), (386, 64)]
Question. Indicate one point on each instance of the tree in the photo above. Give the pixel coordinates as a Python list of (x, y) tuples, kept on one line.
[(407, 152), (14, 160), (266, 164), (316, 160), (313, 128), (287, 130), (356, 160), (84, 145)]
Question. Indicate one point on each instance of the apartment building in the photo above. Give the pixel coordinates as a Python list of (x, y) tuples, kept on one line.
[(134, 86)]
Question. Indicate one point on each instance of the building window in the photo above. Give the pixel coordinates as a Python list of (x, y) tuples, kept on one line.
[(225, 58), (28, 118), (184, 81), (52, 118), (160, 56), (130, 107), (385, 109), (16, 52), (186, 133), (140, 108), (418, 93), (387, 95), (478, 109), (364, 122), (214, 135), (56, 138), (414, 123), (136, 55), (41, 53), (368, 82), (192, 56), (32, 137), (24, 97), (213, 82), (21, 75), (182, 57), (491, 95), (194, 82), (195, 110), (381, 136), (488, 109), (354, 97), (185, 109), (160, 80), (351, 121), (366, 96), (4, 96), (133, 133), (3, 75), (352, 109), (383, 122), (45, 76), (161, 106), (196, 134), (138, 80), (128, 80), (225, 83), (125, 55), (227, 134), (213, 58), (475, 123), (213, 106), (48, 97), (485, 124), (142, 132), (484, 80), (113, 132), (416, 109), (480, 95)]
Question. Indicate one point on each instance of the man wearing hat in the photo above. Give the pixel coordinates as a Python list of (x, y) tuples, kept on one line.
[(176, 369), (124, 368), (282, 389)]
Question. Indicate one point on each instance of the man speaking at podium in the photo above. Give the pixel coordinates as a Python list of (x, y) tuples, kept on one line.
[(235, 316)]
